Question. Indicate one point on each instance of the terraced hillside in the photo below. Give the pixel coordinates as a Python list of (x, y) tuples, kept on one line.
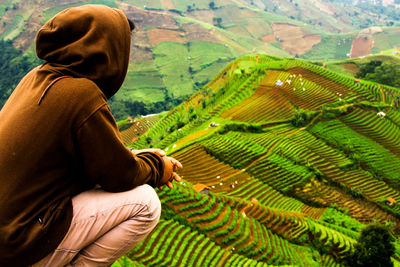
[(187, 43), (284, 163), (352, 66)]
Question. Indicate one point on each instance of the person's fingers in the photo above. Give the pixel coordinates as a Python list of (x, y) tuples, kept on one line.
[(177, 163), (169, 184), (176, 177)]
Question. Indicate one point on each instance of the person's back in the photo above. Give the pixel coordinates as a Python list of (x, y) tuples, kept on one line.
[(59, 139)]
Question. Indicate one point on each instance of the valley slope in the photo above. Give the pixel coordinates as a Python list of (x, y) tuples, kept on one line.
[(284, 163), (179, 46)]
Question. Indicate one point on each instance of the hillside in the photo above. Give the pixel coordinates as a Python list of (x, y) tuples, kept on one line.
[(284, 163), (179, 46), (352, 66)]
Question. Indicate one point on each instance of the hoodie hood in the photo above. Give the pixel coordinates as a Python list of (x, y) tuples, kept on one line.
[(90, 41)]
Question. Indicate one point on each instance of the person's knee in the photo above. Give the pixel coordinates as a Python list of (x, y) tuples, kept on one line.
[(152, 202)]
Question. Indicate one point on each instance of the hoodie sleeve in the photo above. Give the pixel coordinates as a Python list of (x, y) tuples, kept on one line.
[(107, 162)]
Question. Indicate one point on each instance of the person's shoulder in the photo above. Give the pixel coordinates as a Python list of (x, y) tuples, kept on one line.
[(78, 93), (80, 87), (78, 97)]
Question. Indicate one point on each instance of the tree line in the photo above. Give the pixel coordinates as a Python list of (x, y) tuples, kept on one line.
[(13, 66), (384, 73)]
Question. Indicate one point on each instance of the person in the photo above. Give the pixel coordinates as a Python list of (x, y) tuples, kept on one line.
[(71, 193)]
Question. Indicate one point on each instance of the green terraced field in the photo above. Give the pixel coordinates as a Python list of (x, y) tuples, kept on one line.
[(181, 64), (296, 161)]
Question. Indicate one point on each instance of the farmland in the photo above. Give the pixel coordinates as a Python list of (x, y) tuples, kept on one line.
[(176, 42), (284, 163)]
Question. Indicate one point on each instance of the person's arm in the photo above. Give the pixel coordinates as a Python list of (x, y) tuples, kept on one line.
[(107, 162), (171, 165)]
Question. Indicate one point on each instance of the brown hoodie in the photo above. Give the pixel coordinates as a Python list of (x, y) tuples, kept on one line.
[(57, 135)]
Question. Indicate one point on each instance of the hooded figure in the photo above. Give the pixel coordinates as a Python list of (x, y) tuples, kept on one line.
[(58, 137)]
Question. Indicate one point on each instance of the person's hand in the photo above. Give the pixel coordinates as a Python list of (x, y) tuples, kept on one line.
[(171, 165), (156, 151)]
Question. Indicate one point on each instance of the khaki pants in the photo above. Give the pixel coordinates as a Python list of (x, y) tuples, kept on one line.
[(106, 226)]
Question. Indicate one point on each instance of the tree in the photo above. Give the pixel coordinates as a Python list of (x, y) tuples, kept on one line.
[(211, 5), (375, 245), (217, 22), (368, 68), (377, 71), (387, 73)]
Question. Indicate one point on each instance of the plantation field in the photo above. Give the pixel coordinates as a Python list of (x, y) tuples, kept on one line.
[(214, 33), (352, 66), (284, 163)]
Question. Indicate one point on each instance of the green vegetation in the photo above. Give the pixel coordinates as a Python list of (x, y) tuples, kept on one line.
[(172, 59), (385, 73), (122, 109), (13, 66), (291, 190), (338, 45), (335, 217), (211, 35), (303, 117), (293, 156), (374, 245)]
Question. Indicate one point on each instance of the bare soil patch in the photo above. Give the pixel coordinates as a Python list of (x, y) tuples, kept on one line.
[(361, 46), (139, 53), (286, 31), (256, 30), (202, 15), (195, 32), (148, 18), (268, 38), (139, 38), (351, 68), (167, 4), (157, 36), (293, 39), (239, 30), (27, 37), (371, 30)]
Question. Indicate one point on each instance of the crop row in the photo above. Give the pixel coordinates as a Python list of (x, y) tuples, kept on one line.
[(309, 142), (362, 182), (362, 149), (266, 195), (371, 188), (322, 194), (306, 94), (139, 127), (234, 149), (336, 83), (290, 225), (252, 231), (345, 85), (242, 234), (333, 239), (394, 116), (243, 91), (369, 90), (172, 244), (279, 172), (266, 100), (159, 129), (381, 130), (239, 89)]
